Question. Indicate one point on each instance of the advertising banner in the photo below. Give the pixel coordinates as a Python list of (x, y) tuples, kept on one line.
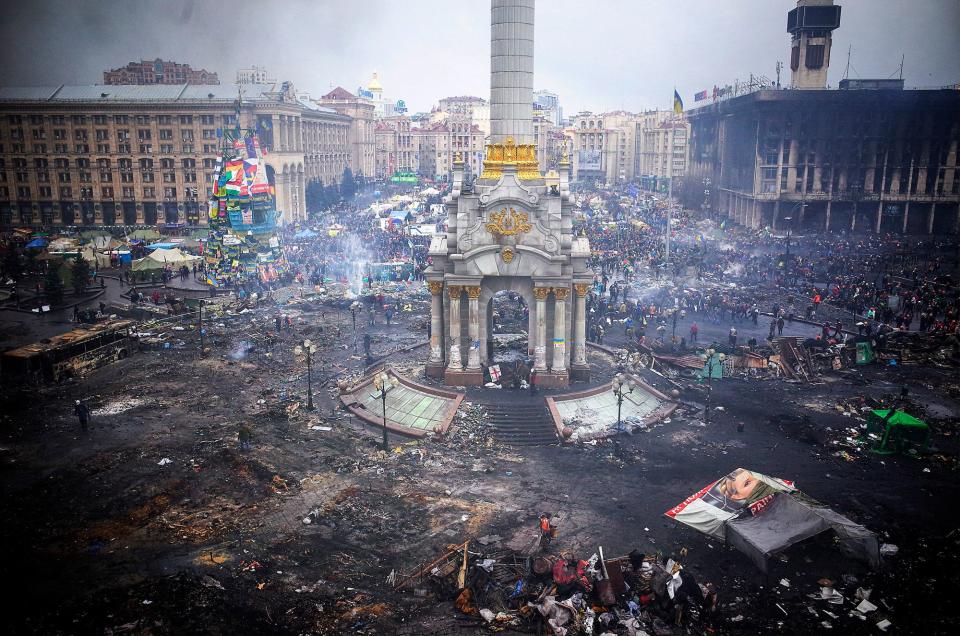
[(740, 491), (589, 160)]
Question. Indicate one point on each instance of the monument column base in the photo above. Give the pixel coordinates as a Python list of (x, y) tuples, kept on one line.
[(580, 373), (435, 369), (553, 379), (465, 377)]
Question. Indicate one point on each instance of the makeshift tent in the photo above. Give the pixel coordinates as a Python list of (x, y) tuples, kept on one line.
[(96, 259), (144, 235), (165, 245), (36, 244), (307, 233), (763, 516), (161, 258), (88, 234), (400, 216), (63, 245), (897, 432)]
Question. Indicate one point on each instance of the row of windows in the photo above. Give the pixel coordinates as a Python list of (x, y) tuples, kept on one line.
[(79, 120), (106, 192)]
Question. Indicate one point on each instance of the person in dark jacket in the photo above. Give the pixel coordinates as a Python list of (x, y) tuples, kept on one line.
[(82, 411)]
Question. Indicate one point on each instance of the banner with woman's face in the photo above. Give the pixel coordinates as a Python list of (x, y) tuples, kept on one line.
[(726, 498)]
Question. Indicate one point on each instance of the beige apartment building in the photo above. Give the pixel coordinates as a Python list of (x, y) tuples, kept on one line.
[(440, 144), (362, 136), (620, 147), (396, 147), (145, 155)]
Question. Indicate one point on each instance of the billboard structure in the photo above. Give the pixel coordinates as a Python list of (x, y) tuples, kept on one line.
[(589, 160)]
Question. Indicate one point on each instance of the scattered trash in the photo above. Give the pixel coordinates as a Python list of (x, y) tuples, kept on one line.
[(164, 461), (888, 549), (866, 606)]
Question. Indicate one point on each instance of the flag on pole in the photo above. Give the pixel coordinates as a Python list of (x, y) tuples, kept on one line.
[(677, 103)]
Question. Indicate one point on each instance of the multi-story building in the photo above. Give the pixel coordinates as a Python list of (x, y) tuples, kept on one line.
[(463, 109), (254, 75), (145, 155), (547, 105), (397, 148), (661, 145), (870, 156), (362, 136), (549, 140), (440, 143), (158, 72)]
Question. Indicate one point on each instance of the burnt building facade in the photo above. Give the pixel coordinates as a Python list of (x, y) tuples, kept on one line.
[(864, 160)]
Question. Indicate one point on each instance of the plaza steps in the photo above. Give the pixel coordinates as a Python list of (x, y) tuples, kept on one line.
[(525, 423)]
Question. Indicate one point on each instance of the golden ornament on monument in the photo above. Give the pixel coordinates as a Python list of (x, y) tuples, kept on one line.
[(503, 225), (507, 255)]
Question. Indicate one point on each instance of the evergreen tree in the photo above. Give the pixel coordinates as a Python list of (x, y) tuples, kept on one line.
[(315, 196), (53, 286), (12, 267), (79, 275)]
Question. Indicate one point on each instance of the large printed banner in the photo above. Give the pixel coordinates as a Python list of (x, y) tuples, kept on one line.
[(709, 509)]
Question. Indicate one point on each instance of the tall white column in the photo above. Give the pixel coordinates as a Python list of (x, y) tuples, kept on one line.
[(580, 326), (560, 328), (540, 349), (436, 321), (473, 354), (454, 363), (511, 71)]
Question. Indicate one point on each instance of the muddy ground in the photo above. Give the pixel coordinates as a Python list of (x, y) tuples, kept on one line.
[(103, 536)]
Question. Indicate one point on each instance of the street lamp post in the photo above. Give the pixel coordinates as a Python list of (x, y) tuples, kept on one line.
[(200, 317), (712, 360), (384, 382), (621, 387), (307, 349)]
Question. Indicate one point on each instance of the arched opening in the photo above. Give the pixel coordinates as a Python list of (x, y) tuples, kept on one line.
[(508, 342)]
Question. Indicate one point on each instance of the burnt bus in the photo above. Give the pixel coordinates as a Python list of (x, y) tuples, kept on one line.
[(71, 354)]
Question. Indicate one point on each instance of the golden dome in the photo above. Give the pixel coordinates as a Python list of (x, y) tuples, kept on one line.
[(374, 84)]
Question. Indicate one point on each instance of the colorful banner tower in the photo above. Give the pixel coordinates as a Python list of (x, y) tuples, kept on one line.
[(243, 246)]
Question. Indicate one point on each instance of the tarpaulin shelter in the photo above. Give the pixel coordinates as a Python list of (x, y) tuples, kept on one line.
[(307, 233), (144, 235), (165, 245), (161, 258), (36, 244), (763, 516), (897, 432)]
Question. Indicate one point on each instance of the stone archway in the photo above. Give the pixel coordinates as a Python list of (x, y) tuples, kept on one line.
[(488, 322)]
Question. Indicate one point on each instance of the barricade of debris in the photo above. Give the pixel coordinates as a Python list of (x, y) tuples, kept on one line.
[(562, 594)]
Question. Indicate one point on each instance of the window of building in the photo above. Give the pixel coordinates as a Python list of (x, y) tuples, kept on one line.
[(23, 192), (121, 119), (142, 119), (100, 119), (149, 192), (186, 135), (46, 192), (206, 119), (82, 149), (186, 119), (146, 149), (170, 193), (58, 120), (165, 133), (79, 120), (106, 192), (80, 135), (126, 192), (164, 120), (187, 149), (143, 134), (103, 149), (66, 192), (40, 149)]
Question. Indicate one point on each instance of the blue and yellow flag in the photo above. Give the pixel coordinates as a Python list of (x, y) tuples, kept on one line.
[(677, 103)]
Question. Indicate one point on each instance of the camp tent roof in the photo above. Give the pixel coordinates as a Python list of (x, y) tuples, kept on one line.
[(160, 258), (899, 418)]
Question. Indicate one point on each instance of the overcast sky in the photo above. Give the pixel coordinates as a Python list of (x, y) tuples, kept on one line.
[(599, 55)]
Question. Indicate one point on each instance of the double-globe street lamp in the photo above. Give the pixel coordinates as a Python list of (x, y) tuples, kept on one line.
[(621, 386), (384, 383), (712, 360), (307, 349)]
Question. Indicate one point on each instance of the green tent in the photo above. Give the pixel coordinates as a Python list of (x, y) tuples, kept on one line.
[(144, 235), (864, 353), (897, 433)]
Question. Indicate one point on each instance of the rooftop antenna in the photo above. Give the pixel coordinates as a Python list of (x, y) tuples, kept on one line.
[(779, 68), (846, 73), (903, 56)]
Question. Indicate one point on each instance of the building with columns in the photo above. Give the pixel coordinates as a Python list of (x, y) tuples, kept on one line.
[(869, 157), (509, 232), (145, 155), (362, 136), (441, 143)]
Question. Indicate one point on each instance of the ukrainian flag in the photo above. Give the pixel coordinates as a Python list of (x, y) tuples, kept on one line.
[(677, 103)]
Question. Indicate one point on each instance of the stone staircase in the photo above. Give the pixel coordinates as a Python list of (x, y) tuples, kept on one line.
[(526, 423)]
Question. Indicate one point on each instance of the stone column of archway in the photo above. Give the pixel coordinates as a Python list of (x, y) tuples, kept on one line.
[(579, 367), (540, 348), (473, 355), (436, 322), (560, 329), (455, 362)]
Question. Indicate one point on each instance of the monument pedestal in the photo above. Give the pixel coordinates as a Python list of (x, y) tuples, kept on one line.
[(553, 379), (465, 377), (580, 373), (435, 369)]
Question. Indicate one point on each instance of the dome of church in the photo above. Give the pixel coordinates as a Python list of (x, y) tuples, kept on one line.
[(374, 84)]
